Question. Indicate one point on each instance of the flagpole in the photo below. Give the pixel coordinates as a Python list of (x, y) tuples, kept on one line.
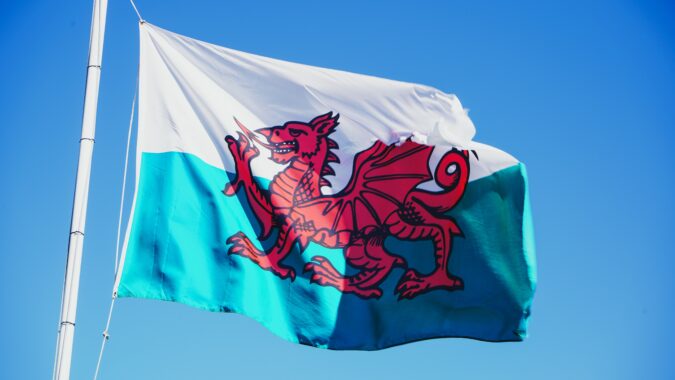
[(64, 345)]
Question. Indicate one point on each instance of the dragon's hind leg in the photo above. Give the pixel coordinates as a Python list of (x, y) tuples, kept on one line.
[(414, 222), (369, 256)]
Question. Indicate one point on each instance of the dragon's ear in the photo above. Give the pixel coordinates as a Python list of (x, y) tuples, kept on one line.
[(325, 124)]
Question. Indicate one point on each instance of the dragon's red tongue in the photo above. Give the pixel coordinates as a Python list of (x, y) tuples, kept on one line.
[(252, 135)]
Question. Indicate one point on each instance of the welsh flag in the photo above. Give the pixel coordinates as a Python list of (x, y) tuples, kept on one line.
[(339, 210)]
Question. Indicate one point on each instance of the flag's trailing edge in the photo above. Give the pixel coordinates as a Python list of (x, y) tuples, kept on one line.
[(341, 211)]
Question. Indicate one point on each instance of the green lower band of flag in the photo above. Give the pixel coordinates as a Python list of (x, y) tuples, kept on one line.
[(177, 251)]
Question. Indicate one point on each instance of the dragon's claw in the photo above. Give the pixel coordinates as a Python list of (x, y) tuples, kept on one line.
[(324, 271), (325, 274), (320, 259), (281, 271), (242, 246), (412, 283), (230, 189), (323, 266), (242, 150), (231, 140), (342, 285)]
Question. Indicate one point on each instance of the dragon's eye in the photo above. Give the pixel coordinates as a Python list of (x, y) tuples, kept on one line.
[(296, 132)]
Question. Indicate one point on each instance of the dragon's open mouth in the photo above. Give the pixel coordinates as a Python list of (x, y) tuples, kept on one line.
[(285, 147), (282, 147)]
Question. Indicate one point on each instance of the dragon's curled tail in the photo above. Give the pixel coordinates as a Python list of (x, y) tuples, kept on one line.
[(452, 174)]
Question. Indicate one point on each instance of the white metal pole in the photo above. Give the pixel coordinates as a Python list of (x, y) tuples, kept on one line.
[(64, 345)]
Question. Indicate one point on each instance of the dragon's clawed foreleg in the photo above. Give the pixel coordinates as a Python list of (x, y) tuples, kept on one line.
[(243, 151)]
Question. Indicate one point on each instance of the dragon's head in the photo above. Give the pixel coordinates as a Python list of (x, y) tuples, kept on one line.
[(296, 140)]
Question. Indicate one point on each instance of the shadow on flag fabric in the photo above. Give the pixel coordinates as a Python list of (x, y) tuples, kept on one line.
[(339, 210)]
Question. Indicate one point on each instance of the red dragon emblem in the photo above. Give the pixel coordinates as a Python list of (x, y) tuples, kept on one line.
[(380, 200)]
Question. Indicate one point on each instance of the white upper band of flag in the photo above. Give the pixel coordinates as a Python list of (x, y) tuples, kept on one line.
[(207, 85)]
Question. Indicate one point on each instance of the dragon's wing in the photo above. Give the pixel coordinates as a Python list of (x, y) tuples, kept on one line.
[(382, 177)]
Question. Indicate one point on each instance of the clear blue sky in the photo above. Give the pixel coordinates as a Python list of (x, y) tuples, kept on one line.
[(582, 92)]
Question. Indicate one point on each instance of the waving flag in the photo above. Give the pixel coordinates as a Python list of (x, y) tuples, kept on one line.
[(339, 210)]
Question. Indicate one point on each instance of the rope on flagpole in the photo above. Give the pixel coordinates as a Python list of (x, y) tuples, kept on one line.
[(140, 19), (124, 178), (106, 336)]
